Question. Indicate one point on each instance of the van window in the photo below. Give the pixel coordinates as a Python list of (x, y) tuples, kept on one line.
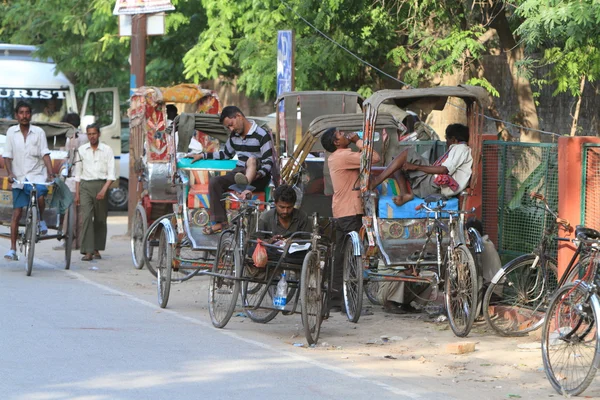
[(47, 105), (100, 105)]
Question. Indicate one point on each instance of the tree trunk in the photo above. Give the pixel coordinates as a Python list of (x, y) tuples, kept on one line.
[(577, 107), (515, 53)]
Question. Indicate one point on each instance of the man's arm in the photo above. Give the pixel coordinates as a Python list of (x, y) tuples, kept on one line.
[(110, 178), (8, 166), (266, 156), (226, 154), (48, 164), (428, 169)]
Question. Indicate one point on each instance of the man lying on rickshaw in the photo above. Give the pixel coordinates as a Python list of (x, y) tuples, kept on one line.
[(449, 175), (254, 149)]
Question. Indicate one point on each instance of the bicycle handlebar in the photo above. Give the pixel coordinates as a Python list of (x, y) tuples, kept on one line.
[(561, 221), (440, 207), (240, 200)]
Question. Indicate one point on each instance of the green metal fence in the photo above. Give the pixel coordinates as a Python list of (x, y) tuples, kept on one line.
[(590, 187), (511, 171)]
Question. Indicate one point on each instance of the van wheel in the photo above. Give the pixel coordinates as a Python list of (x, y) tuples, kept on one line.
[(118, 196)]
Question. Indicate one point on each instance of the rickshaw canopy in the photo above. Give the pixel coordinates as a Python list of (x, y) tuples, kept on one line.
[(51, 128)]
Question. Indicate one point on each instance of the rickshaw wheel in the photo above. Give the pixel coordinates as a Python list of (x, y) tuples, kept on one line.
[(138, 229), (151, 241), (250, 294), (223, 291), (164, 266), (69, 233), (461, 291), (353, 281), (30, 237), (312, 297)]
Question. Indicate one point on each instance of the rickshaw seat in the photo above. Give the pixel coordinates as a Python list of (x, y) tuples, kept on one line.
[(388, 209)]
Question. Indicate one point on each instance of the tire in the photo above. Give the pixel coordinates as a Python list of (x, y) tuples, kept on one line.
[(223, 291), (138, 230), (461, 290), (118, 197), (515, 302), (570, 339), (30, 238), (312, 297), (164, 266), (371, 288), (353, 282), (251, 292), (69, 234), (151, 242)]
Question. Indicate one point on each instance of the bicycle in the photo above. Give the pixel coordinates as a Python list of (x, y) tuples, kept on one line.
[(570, 337), (515, 301)]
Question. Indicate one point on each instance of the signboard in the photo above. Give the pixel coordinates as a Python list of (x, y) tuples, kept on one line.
[(123, 7), (285, 65), (155, 25)]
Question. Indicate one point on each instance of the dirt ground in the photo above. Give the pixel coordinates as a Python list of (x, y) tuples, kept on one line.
[(405, 350)]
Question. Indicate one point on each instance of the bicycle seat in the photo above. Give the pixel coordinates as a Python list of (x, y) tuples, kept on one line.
[(587, 233), (434, 198)]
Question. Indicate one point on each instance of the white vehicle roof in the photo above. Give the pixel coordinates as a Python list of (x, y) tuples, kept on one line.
[(30, 74)]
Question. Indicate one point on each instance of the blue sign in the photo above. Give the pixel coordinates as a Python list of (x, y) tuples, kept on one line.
[(284, 63)]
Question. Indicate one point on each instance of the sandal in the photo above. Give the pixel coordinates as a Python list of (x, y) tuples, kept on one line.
[(209, 229), (11, 255), (97, 255), (87, 257)]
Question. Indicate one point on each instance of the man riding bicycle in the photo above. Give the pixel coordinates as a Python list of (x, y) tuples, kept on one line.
[(26, 157)]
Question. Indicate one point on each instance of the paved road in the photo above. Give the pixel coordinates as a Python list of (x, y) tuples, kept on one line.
[(63, 336)]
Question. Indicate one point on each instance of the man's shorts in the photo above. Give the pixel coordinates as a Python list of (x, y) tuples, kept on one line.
[(21, 196)]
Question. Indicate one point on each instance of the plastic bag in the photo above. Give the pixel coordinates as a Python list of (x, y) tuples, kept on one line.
[(259, 257)]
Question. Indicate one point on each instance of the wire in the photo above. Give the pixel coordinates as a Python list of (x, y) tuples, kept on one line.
[(402, 82)]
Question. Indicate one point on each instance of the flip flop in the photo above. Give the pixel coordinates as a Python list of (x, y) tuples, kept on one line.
[(241, 179), (87, 257), (11, 255), (208, 229)]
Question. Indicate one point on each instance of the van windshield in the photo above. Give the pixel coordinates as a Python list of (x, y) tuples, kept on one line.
[(47, 105)]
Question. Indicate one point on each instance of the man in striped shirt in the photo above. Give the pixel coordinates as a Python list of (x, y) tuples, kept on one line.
[(254, 149)]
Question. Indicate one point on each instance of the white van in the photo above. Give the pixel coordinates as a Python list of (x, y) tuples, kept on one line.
[(52, 96)]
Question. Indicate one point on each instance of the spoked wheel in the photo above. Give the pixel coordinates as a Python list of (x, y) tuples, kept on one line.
[(69, 234), (353, 281), (138, 229), (30, 237), (312, 297), (515, 302), (371, 288), (251, 292), (164, 266), (461, 290), (151, 243), (570, 339), (223, 290)]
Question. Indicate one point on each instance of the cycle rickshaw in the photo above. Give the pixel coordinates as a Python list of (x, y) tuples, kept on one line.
[(65, 229)]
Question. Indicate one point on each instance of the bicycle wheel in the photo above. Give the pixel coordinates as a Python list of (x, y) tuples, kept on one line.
[(223, 290), (570, 339), (461, 290), (312, 297), (164, 266), (251, 292), (69, 234), (151, 242), (353, 281), (138, 229), (30, 237), (371, 288), (516, 300)]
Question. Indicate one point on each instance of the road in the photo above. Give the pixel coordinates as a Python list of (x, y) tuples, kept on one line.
[(65, 336)]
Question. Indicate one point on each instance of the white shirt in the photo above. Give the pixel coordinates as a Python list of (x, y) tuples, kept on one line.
[(94, 165), (27, 158), (460, 166)]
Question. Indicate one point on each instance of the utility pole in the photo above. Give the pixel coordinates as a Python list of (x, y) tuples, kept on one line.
[(136, 80)]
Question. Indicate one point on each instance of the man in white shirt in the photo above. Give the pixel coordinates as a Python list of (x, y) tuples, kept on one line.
[(26, 157), (94, 173)]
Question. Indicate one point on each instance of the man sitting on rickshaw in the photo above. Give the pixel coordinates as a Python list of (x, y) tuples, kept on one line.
[(254, 149), (449, 175)]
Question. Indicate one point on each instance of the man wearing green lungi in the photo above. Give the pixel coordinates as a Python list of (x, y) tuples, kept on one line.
[(94, 173)]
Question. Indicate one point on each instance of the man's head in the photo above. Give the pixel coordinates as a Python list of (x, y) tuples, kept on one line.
[(73, 119), (233, 119), (93, 133), (23, 113), (171, 112), (456, 133), (285, 198), (333, 139)]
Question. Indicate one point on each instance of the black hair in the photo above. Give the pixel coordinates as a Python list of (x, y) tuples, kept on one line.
[(95, 125), (73, 119), (458, 131), (409, 122), (327, 140), (171, 111), (285, 193), (473, 222), (230, 112), (21, 104)]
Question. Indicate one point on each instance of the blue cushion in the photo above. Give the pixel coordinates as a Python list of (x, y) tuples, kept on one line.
[(387, 208), (213, 165)]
